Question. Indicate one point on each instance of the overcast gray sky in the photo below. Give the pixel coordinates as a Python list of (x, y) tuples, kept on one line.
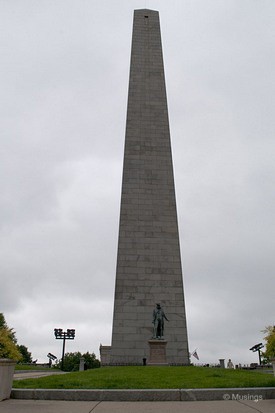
[(64, 82)]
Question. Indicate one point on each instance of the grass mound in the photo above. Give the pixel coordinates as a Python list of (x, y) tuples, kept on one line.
[(150, 377)]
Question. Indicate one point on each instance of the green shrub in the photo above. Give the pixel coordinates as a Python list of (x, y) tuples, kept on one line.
[(72, 361)]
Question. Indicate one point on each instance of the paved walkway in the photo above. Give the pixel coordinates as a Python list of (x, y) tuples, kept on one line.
[(44, 406), (34, 374)]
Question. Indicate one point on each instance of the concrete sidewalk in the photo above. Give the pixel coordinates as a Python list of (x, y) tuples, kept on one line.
[(47, 406)]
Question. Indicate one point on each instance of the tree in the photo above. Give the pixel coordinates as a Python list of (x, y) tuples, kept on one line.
[(72, 360), (26, 355), (91, 361), (8, 348), (8, 344), (270, 342), (3, 325)]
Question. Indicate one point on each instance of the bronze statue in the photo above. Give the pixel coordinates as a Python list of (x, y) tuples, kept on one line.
[(158, 321)]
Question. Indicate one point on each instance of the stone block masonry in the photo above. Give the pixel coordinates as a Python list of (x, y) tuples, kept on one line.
[(148, 261)]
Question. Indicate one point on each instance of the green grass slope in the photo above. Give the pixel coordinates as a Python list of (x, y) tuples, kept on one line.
[(150, 377)]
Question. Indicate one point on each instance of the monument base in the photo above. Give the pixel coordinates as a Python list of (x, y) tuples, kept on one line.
[(105, 355), (157, 356)]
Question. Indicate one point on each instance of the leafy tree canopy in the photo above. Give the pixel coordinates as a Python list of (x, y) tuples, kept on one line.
[(270, 342), (72, 360), (8, 344), (8, 348), (3, 325), (26, 355)]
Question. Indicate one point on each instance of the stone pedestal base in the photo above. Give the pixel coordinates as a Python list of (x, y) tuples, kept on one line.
[(157, 355), (105, 354), (81, 364)]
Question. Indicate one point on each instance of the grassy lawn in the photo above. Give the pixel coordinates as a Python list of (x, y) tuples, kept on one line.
[(150, 377)]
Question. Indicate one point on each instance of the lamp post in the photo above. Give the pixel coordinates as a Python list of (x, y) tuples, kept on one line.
[(64, 335), (258, 347)]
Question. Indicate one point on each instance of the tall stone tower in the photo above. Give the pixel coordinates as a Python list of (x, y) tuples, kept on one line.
[(148, 261)]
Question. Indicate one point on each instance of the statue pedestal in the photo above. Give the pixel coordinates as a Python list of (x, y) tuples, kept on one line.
[(157, 355)]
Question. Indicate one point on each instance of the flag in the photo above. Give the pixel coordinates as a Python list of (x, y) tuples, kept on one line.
[(195, 354)]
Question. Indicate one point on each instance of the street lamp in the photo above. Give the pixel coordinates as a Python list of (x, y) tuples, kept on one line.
[(257, 347), (64, 335)]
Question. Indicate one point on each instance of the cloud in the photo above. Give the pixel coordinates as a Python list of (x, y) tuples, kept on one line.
[(64, 87)]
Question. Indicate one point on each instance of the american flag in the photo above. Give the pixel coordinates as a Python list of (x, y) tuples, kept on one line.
[(195, 354)]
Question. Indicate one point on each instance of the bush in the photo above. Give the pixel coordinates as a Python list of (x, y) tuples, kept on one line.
[(72, 361)]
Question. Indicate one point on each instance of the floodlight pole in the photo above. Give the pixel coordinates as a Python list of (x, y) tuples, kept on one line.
[(64, 335), (260, 360), (63, 352), (51, 357), (258, 348)]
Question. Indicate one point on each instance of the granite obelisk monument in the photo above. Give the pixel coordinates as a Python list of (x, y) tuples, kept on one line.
[(148, 262)]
